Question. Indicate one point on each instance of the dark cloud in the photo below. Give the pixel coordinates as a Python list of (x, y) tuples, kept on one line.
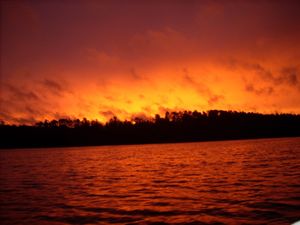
[(288, 75), (53, 86), (261, 71), (234, 64), (108, 114), (32, 111), (7, 117), (31, 105), (21, 94), (259, 91), (215, 99)]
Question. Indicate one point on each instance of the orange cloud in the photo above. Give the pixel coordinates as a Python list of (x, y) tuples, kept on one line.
[(147, 57)]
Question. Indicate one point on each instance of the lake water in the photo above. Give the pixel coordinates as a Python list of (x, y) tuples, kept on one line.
[(224, 182)]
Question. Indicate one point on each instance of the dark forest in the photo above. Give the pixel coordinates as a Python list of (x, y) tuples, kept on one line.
[(186, 126)]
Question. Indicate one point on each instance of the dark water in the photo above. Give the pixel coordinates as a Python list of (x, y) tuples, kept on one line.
[(226, 182)]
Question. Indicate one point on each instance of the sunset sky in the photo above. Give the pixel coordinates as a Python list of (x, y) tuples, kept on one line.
[(98, 59)]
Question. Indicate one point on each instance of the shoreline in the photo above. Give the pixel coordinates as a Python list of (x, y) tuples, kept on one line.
[(145, 143)]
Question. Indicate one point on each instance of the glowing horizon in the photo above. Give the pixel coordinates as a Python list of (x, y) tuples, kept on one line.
[(98, 59)]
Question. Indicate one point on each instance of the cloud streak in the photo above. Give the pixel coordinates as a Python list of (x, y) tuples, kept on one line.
[(202, 89)]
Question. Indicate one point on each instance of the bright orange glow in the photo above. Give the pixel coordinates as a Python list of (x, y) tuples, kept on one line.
[(131, 63)]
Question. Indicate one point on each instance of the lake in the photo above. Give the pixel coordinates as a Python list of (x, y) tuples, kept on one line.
[(222, 182)]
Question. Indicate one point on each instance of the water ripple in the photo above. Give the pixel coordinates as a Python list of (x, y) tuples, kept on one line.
[(230, 182)]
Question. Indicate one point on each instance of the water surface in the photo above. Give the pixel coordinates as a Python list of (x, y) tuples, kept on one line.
[(224, 182)]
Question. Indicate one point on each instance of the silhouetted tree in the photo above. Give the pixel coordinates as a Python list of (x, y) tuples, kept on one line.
[(173, 127)]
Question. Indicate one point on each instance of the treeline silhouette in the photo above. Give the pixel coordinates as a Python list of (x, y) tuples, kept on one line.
[(183, 126)]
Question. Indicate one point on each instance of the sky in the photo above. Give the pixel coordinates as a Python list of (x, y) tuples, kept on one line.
[(129, 58)]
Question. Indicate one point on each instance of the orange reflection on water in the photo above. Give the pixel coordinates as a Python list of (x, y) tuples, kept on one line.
[(228, 181)]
